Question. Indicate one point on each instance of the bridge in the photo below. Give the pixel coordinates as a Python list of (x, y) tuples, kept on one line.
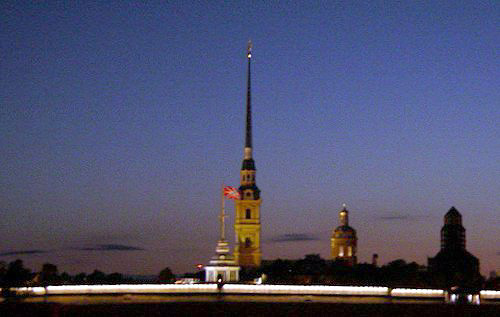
[(360, 293)]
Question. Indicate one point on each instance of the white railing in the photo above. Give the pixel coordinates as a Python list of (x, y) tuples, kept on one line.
[(304, 290), (416, 292), (119, 289), (486, 294), (264, 289), (204, 288)]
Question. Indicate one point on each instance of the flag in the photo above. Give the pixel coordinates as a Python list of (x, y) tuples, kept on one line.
[(231, 193)]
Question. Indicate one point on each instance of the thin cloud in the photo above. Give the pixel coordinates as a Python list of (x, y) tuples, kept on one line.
[(394, 217), (22, 252), (400, 217), (111, 247), (294, 237)]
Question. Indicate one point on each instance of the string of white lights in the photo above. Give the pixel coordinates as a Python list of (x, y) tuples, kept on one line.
[(240, 289)]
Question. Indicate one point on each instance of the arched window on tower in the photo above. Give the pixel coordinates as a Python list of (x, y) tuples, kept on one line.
[(248, 214), (349, 251), (341, 250), (248, 243)]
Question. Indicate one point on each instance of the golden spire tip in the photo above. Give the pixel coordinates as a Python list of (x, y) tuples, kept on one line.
[(249, 49)]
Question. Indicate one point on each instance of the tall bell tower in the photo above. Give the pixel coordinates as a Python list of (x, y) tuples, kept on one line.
[(247, 221)]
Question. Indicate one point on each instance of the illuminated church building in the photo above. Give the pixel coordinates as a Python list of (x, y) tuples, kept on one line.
[(344, 241), (247, 220)]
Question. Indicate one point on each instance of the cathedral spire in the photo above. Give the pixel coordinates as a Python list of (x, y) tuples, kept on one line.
[(247, 219), (248, 132)]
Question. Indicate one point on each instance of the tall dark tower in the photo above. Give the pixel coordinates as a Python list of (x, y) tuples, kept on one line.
[(247, 221), (453, 233), (453, 265)]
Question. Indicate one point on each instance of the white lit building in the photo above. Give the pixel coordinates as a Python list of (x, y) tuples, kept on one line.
[(222, 266)]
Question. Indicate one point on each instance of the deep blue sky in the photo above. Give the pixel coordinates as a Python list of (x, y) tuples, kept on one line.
[(119, 122)]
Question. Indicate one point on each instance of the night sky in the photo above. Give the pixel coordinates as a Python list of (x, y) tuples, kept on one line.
[(120, 121)]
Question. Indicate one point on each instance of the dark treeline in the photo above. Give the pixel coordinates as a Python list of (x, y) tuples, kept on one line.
[(312, 269), (15, 274), (315, 270)]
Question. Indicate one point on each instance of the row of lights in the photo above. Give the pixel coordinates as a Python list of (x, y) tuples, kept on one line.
[(490, 294), (241, 289), (302, 289), (415, 292), (117, 289)]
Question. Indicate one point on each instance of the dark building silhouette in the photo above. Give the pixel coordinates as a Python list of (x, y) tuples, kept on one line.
[(453, 265)]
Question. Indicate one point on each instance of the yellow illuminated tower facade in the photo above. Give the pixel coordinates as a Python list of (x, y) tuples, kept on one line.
[(344, 241), (247, 220)]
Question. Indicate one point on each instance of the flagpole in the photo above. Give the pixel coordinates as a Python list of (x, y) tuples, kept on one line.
[(222, 229)]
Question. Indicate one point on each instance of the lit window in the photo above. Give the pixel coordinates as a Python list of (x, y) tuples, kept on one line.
[(341, 251)]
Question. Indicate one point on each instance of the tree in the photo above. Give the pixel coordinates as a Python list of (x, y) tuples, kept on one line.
[(80, 278), (65, 278), (278, 271), (115, 278), (96, 277), (16, 274), (3, 271), (312, 264), (166, 276)]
